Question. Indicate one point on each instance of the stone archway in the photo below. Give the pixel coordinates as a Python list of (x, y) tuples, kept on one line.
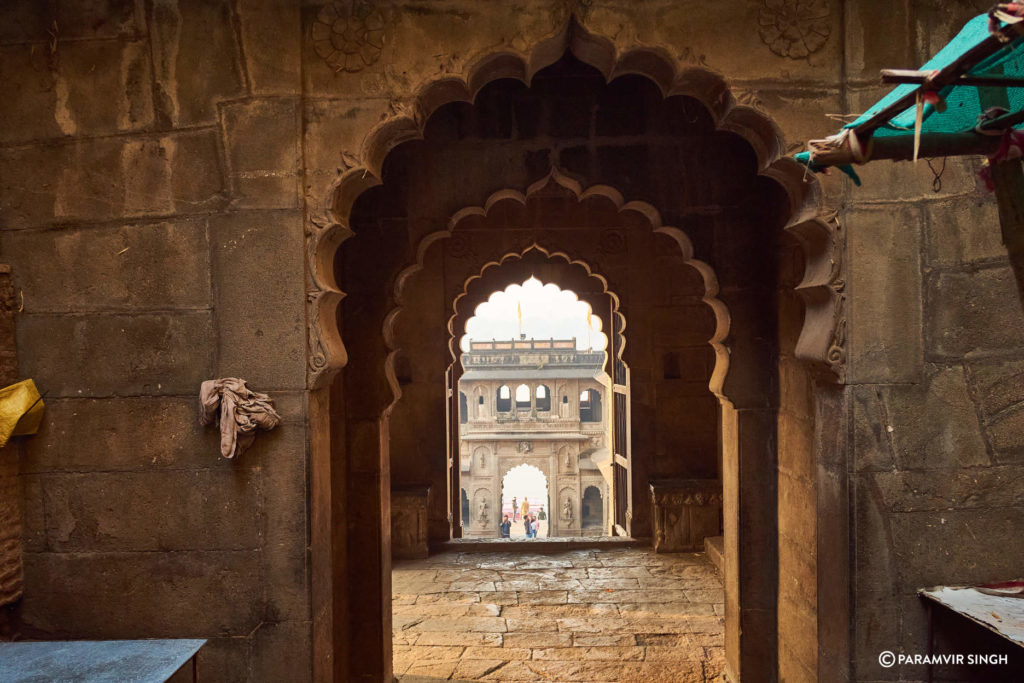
[(749, 418), (547, 477), (520, 211), (570, 274)]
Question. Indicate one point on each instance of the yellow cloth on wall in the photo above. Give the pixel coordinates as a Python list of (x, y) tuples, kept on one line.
[(21, 410)]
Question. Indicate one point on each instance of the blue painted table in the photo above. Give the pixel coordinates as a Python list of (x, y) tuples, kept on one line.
[(96, 661)]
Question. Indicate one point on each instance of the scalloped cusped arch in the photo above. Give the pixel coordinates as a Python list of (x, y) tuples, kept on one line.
[(330, 223)]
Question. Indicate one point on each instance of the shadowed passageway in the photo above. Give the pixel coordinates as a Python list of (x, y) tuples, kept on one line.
[(581, 615)]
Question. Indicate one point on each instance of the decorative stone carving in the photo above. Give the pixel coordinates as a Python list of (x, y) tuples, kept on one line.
[(566, 9), (350, 34), (460, 246), (750, 98), (326, 350), (794, 28), (612, 242), (524, 447), (480, 454), (409, 521), (686, 511), (567, 507), (483, 508), (823, 290), (836, 355)]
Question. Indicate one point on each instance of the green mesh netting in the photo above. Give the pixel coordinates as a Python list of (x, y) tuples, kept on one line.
[(962, 102)]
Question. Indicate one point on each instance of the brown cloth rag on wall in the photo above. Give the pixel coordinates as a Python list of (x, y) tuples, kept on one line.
[(242, 411)]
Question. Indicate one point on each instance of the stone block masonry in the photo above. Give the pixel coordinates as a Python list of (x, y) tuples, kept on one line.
[(581, 615), (135, 137), (158, 164)]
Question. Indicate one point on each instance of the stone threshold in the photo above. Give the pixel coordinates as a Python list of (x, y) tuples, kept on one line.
[(538, 545)]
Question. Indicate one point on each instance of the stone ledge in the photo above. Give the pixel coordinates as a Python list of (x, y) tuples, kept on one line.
[(540, 545)]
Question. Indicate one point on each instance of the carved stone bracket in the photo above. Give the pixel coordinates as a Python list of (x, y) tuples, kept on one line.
[(823, 290)]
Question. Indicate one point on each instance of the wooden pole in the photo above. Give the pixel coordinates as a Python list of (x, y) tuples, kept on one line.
[(1008, 177)]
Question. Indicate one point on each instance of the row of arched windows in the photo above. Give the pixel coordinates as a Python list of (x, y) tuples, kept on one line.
[(590, 402)]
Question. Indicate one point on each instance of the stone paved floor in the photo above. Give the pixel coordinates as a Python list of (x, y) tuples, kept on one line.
[(581, 615)]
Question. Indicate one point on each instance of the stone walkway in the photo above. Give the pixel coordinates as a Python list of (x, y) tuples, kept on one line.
[(582, 615)]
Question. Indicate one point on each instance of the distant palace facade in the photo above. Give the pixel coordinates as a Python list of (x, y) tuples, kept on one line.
[(541, 403)]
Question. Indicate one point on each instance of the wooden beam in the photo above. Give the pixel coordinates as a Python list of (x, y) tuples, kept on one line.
[(921, 77), (1008, 177), (901, 148)]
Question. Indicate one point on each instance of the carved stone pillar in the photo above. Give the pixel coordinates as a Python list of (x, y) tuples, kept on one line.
[(686, 511), (409, 505)]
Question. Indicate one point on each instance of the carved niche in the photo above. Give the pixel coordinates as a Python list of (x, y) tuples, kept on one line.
[(567, 506), (481, 511), (409, 522)]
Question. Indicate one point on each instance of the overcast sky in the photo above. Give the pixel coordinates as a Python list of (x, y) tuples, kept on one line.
[(547, 311)]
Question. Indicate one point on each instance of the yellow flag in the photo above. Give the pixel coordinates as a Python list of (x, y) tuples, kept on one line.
[(519, 315)]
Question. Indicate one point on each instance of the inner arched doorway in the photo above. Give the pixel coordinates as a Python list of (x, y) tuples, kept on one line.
[(742, 236), (529, 349)]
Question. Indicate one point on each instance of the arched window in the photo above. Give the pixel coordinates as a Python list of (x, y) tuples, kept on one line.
[(543, 398), (463, 409), (522, 396), (504, 401), (590, 406)]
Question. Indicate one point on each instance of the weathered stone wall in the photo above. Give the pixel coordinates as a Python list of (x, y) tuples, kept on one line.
[(158, 159), (935, 384), (11, 515), (152, 214)]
